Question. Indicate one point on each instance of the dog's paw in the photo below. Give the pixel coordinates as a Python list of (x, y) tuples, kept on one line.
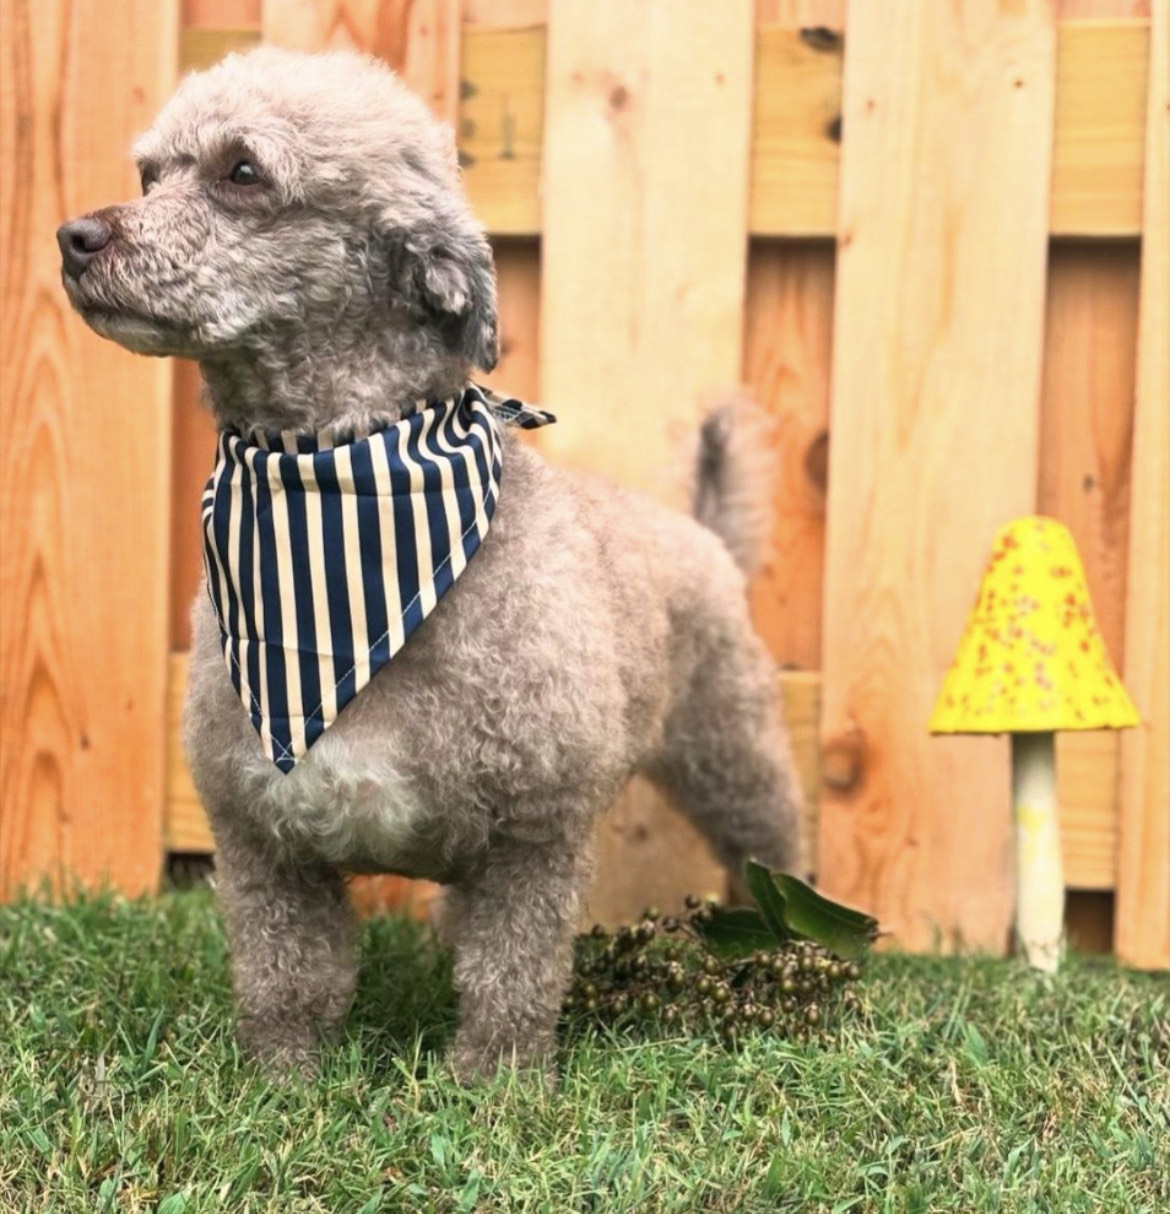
[(283, 1056), (474, 1065)]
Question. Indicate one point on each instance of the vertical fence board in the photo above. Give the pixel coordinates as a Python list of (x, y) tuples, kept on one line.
[(829, 14), (936, 378), (219, 14), (1074, 9), (1086, 415), (1143, 881), (518, 275), (1086, 441), (192, 453), (644, 267), (796, 132), (1097, 152), (84, 471), (505, 12), (501, 126), (646, 154), (787, 356)]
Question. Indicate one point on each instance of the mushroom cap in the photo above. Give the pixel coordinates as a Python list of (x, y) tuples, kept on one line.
[(1032, 658)]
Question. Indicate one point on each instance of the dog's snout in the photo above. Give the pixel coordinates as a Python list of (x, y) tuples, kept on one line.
[(81, 240)]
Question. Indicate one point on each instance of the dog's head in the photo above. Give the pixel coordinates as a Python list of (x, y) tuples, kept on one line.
[(286, 192)]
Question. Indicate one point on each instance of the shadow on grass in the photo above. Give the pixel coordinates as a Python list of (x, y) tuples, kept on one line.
[(405, 1009), (405, 1003)]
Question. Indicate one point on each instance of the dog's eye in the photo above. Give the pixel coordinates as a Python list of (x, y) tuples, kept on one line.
[(244, 173), (149, 177)]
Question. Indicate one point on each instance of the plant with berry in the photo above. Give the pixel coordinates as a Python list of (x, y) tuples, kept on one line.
[(787, 966)]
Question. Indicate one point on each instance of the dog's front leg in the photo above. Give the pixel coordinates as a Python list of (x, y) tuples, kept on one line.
[(513, 928), (291, 932)]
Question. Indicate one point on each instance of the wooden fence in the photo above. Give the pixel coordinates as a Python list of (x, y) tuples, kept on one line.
[(933, 238)]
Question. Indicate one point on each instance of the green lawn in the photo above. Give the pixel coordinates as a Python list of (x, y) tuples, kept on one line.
[(968, 1086)]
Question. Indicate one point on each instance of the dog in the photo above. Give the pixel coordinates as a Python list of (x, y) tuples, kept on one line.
[(303, 233)]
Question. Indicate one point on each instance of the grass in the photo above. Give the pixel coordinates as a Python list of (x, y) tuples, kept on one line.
[(973, 1086)]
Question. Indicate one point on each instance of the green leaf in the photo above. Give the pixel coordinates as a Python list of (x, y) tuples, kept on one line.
[(847, 932), (735, 933), (799, 910), (769, 899)]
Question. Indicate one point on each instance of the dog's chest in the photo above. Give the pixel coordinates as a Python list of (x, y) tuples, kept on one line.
[(350, 810)]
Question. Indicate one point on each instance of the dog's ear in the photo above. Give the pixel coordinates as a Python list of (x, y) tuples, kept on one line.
[(443, 270)]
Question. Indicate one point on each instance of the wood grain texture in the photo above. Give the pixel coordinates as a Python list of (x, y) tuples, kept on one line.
[(800, 701), (796, 123), (644, 269), (192, 457), (1086, 415), (1097, 159), (1087, 781), (796, 132), (501, 127), (1097, 169), (1099, 142), (936, 378), (84, 469), (185, 825), (794, 13), (648, 854), (418, 38), (1143, 879), (643, 293), (787, 358), (505, 12), (802, 14), (518, 279), (1088, 775), (219, 14), (1073, 9), (201, 48)]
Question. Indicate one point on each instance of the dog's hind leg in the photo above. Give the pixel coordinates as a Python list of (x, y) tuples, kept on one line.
[(513, 927), (727, 763)]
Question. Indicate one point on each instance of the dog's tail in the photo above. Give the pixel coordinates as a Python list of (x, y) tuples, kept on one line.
[(734, 475)]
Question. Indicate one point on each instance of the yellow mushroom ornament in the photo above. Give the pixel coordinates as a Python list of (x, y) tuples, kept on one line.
[(1032, 662)]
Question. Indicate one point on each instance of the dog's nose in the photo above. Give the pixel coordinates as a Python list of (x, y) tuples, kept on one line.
[(81, 240)]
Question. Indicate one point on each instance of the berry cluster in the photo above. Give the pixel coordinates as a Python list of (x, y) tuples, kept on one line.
[(661, 970)]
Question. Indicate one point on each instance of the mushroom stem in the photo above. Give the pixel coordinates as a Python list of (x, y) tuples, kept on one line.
[(1039, 879)]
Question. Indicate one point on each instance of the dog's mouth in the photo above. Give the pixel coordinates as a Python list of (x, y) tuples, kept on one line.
[(133, 328), (136, 331)]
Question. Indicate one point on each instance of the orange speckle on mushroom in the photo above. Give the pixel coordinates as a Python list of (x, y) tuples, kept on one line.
[(1014, 669)]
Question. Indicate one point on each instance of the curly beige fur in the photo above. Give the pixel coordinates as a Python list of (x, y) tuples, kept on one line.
[(595, 635)]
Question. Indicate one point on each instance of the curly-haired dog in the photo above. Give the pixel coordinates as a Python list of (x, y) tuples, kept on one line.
[(304, 235)]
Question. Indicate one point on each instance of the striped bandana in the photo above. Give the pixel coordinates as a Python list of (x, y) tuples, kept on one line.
[(323, 557)]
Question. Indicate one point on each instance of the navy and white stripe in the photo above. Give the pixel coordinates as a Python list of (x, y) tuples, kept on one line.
[(323, 556)]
